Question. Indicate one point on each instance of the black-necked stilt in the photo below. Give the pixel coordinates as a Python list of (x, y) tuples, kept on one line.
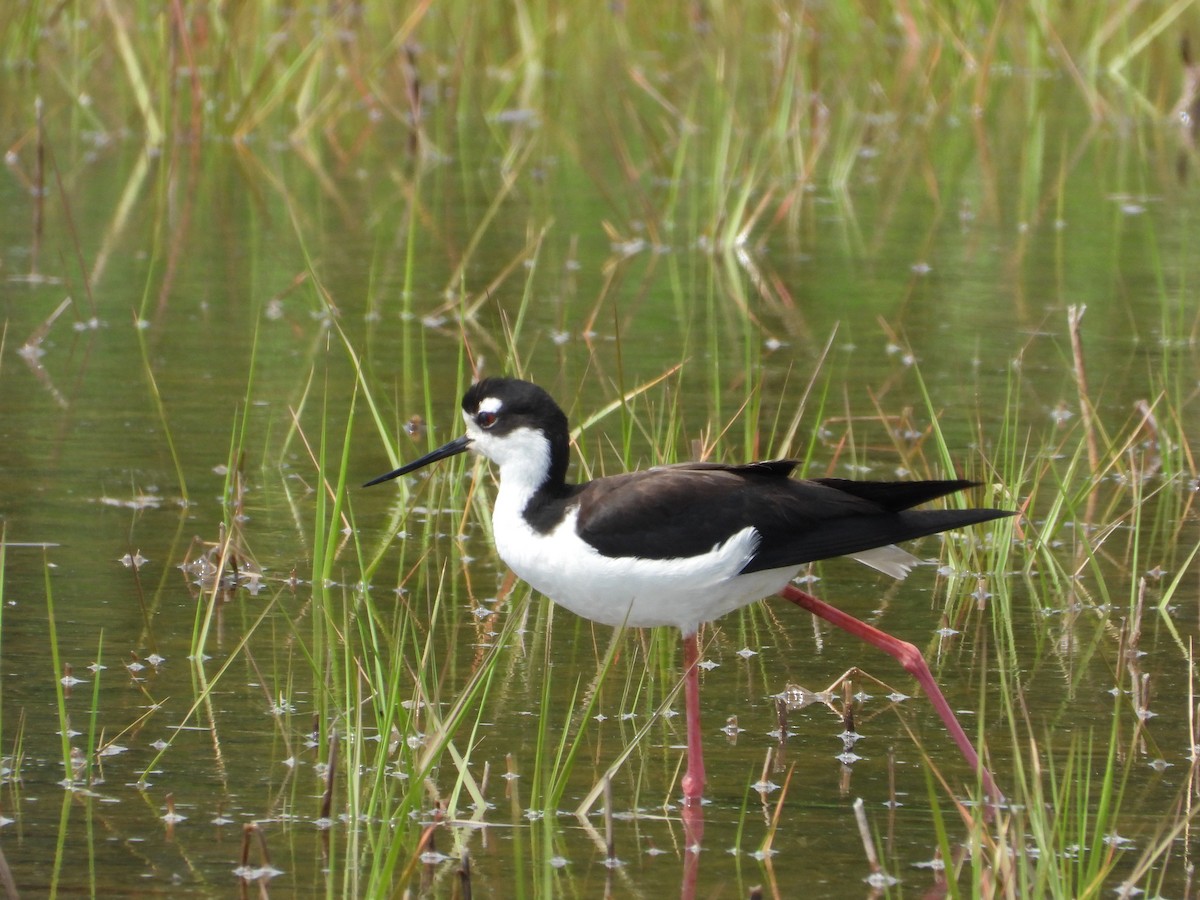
[(684, 544)]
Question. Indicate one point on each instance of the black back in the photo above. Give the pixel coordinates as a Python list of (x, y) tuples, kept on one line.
[(685, 510)]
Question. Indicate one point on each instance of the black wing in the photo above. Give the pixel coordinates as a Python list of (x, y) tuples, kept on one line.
[(685, 510)]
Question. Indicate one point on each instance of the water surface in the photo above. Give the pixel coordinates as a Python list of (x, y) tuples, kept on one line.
[(218, 296)]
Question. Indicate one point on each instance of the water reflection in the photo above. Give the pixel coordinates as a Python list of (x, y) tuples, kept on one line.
[(895, 286)]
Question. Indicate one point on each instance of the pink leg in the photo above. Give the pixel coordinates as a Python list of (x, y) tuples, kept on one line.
[(693, 780), (912, 660)]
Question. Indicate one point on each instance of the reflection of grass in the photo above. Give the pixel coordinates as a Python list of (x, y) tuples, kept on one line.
[(717, 136), (713, 144)]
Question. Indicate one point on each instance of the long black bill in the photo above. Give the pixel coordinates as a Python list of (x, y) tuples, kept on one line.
[(455, 447)]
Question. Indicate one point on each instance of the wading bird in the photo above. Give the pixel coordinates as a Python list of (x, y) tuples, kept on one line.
[(685, 544)]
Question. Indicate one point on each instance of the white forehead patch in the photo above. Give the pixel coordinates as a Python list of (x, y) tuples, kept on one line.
[(490, 404)]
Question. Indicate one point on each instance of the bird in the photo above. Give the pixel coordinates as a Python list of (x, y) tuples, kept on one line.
[(684, 544)]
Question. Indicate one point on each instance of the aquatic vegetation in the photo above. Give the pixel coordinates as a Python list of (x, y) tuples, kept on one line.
[(255, 253)]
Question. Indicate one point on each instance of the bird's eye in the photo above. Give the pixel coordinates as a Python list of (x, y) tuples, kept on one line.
[(485, 419)]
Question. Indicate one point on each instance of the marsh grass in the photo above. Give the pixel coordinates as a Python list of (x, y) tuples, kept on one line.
[(1060, 834), (7, 762), (412, 651), (1067, 803), (64, 722), (334, 81)]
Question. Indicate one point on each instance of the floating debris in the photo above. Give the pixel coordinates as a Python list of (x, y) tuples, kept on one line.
[(170, 816), (797, 697), (282, 706), (256, 873), (133, 560), (222, 565), (1119, 841), (137, 502)]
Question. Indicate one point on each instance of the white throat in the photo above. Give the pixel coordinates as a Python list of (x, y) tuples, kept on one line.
[(523, 456)]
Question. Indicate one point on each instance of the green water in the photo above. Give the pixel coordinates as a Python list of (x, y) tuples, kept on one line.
[(217, 295)]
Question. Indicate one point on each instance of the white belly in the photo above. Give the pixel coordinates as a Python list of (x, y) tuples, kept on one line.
[(630, 591)]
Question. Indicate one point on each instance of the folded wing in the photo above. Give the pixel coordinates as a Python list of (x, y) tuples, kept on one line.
[(685, 510)]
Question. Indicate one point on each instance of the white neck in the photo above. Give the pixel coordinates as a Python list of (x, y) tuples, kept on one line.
[(524, 460)]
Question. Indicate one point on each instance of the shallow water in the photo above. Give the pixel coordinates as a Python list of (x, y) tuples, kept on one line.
[(202, 336)]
